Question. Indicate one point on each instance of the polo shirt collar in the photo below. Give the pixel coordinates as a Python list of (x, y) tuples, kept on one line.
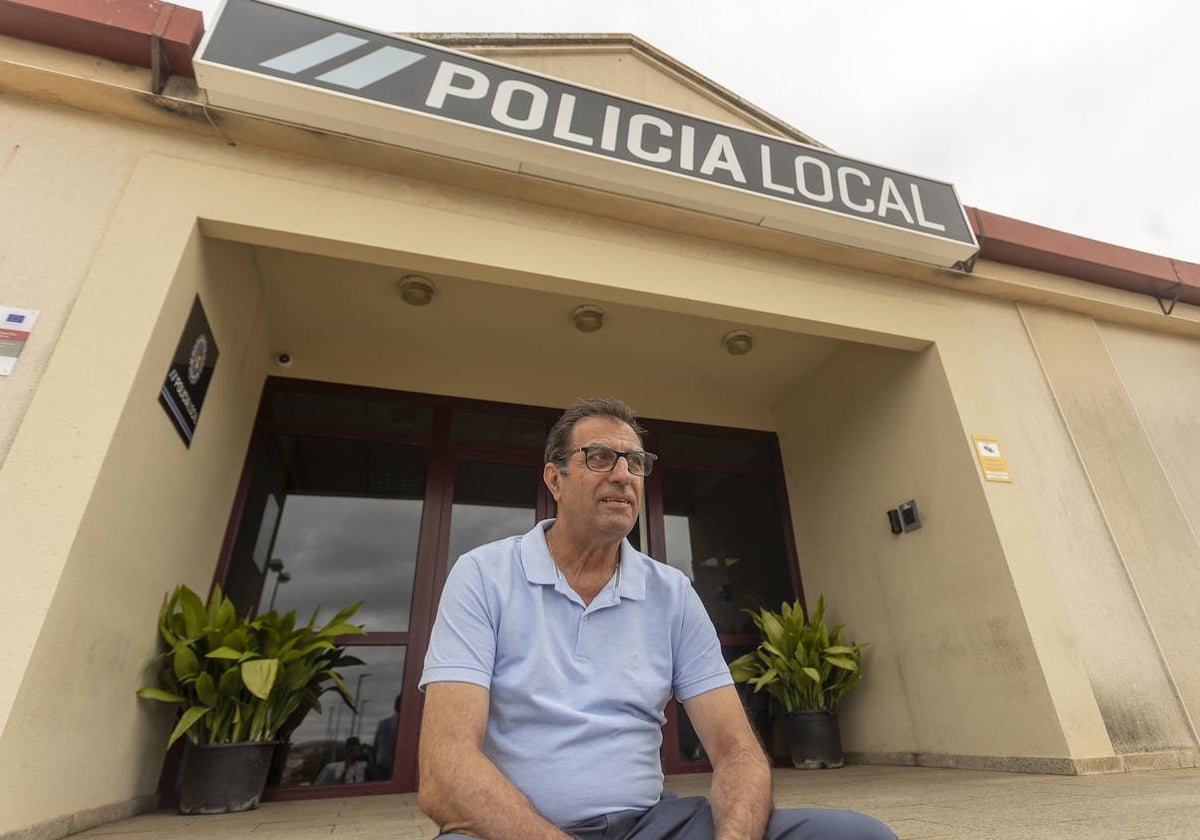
[(539, 565), (633, 573), (535, 555)]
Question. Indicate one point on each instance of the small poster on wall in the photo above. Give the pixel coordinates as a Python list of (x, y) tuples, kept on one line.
[(991, 459), (15, 326), (183, 390)]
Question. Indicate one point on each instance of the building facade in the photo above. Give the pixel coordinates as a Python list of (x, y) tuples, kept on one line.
[(393, 312)]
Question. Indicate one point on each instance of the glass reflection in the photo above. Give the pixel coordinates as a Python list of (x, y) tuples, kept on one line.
[(340, 746), (497, 428), (343, 411), (725, 532), (491, 502), (331, 551), (756, 450)]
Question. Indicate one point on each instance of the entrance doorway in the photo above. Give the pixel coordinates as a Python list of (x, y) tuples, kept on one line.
[(353, 494)]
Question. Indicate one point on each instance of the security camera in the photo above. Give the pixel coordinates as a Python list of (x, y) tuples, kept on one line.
[(283, 359)]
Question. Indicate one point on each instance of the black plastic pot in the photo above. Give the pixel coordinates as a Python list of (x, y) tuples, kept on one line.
[(814, 740), (221, 778)]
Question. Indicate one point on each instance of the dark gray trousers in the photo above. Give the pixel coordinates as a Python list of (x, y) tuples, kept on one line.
[(690, 818)]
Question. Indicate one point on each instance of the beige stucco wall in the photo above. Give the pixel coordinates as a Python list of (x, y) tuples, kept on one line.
[(1131, 402), (52, 227), (986, 644), (956, 657), (1065, 595), (1135, 692), (153, 515)]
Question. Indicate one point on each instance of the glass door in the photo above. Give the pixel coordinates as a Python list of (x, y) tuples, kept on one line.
[(491, 501), (723, 523), (340, 523), (353, 494)]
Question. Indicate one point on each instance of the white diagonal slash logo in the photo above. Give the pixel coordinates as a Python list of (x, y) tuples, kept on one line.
[(310, 55), (355, 75)]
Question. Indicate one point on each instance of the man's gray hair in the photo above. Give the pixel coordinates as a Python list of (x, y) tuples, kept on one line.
[(559, 439)]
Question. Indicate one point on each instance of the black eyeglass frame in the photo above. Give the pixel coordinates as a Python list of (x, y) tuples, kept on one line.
[(649, 457)]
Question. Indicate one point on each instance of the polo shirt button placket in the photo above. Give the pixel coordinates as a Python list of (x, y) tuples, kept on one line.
[(582, 643)]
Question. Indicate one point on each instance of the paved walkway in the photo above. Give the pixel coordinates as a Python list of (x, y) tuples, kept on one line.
[(917, 802)]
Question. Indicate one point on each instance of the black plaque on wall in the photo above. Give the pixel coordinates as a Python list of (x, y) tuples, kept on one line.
[(191, 369)]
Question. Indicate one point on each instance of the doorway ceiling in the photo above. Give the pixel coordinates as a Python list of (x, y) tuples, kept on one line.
[(667, 363)]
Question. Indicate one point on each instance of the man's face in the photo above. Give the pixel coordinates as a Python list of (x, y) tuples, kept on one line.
[(593, 503)]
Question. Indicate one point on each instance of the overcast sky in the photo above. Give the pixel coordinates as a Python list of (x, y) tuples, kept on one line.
[(1081, 116)]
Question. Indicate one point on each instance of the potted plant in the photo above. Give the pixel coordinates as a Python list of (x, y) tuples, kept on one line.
[(239, 682), (806, 669)]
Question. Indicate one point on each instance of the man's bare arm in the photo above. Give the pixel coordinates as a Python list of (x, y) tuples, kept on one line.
[(741, 784), (460, 789)]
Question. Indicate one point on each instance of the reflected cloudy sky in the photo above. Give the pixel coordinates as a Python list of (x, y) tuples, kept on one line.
[(338, 550), (382, 676)]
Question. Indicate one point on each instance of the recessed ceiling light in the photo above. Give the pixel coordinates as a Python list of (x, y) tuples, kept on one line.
[(738, 342), (588, 318), (416, 289)]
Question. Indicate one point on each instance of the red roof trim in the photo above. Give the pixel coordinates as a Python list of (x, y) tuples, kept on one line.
[(1014, 242), (120, 30)]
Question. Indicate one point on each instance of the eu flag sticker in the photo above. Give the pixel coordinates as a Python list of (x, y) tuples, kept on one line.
[(15, 327)]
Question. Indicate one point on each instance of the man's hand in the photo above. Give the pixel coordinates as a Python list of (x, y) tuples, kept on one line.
[(741, 785), (460, 789)]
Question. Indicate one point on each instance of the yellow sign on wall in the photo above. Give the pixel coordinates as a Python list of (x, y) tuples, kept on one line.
[(991, 459)]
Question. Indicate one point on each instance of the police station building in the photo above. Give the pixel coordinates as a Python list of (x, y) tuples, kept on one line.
[(288, 306)]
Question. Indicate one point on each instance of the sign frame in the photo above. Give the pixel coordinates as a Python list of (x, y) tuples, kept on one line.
[(266, 59), (189, 373)]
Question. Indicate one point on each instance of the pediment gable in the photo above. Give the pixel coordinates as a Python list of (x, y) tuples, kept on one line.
[(625, 65)]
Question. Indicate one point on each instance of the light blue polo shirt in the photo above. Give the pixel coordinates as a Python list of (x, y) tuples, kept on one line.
[(577, 693)]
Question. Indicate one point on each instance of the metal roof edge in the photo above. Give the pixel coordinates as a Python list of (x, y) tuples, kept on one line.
[(128, 31), (1027, 245)]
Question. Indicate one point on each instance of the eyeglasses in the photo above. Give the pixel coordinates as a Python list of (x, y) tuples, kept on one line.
[(600, 458)]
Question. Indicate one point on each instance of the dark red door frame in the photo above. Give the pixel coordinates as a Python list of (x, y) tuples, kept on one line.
[(433, 543)]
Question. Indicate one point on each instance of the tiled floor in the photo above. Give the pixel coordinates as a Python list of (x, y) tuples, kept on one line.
[(917, 802)]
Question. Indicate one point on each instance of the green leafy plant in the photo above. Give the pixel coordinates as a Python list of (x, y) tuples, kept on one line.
[(240, 680), (802, 664)]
